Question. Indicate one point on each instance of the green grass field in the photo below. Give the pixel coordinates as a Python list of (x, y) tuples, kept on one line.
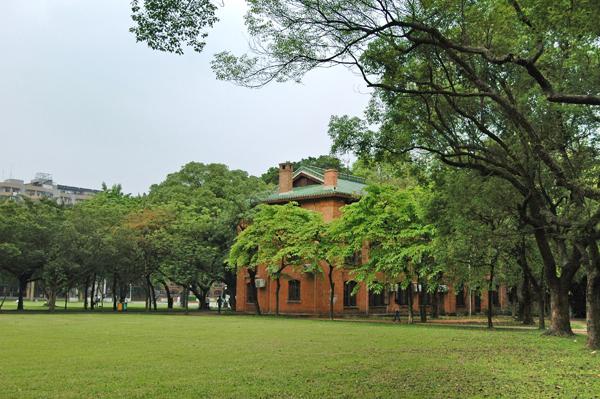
[(40, 305), (103, 355)]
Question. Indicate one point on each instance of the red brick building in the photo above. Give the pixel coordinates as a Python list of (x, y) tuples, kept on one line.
[(327, 191)]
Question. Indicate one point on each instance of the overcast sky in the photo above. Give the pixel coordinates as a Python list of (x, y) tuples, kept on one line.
[(80, 99)]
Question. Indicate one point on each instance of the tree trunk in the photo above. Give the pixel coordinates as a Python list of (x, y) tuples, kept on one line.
[(277, 289), (560, 317), (85, 293), (123, 293), (331, 292), (154, 304), (22, 288), (231, 281), (540, 287), (3, 299), (560, 323), (593, 309), (529, 280), (252, 274), (92, 293), (490, 309), (114, 292), (66, 298), (200, 295), (149, 293), (202, 300), (525, 304), (422, 305), (592, 300), (169, 297), (542, 302), (185, 299), (411, 315), (51, 299)]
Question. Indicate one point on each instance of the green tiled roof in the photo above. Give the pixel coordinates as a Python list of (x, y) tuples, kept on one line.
[(347, 186)]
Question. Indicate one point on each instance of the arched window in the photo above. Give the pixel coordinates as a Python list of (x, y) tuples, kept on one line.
[(294, 290), (349, 299)]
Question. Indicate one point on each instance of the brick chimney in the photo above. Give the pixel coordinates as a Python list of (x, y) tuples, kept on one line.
[(330, 177), (285, 177)]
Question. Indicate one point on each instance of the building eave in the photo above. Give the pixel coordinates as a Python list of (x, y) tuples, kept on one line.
[(309, 197)]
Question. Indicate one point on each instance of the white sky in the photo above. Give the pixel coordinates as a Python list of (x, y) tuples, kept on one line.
[(80, 99)]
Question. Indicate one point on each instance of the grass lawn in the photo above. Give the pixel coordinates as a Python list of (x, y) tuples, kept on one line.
[(40, 305), (101, 355)]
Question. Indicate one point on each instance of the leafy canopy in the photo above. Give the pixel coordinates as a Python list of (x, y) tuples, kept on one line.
[(393, 221), (274, 238)]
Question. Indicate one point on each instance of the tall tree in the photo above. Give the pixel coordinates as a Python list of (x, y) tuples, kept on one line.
[(191, 252), (215, 192), (244, 256), (62, 270), (322, 248), (496, 87), (393, 221), (99, 224), (146, 224), (481, 237), (505, 88), (276, 234), (26, 234)]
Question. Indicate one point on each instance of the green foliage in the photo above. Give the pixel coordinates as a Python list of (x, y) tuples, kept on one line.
[(105, 245), (210, 186), (478, 226), (181, 232), (393, 221), (506, 89), (550, 44), (275, 238), (208, 202), (192, 252), (170, 25), (27, 230)]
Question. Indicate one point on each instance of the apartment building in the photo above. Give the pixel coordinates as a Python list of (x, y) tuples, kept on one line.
[(42, 186)]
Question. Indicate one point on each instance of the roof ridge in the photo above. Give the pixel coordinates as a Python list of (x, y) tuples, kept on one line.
[(310, 171), (344, 176), (309, 167), (356, 179)]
